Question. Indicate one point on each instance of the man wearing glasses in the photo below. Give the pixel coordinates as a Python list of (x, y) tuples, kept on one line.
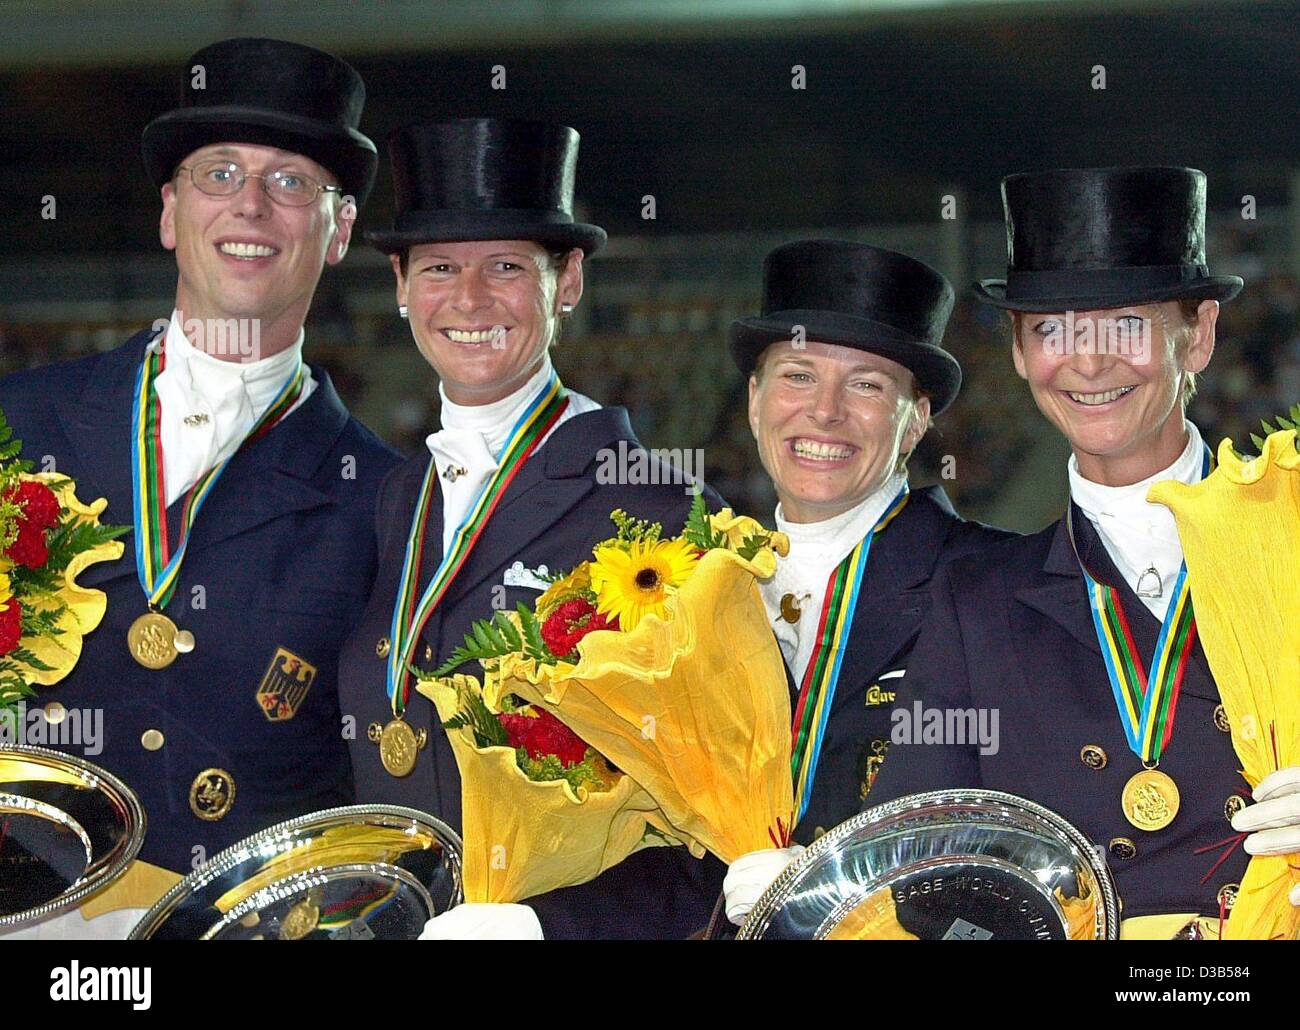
[(250, 488)]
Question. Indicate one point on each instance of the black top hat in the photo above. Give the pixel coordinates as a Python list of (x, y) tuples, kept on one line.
[(1081, 239), (855, 295), (484, 179), (272, 93)]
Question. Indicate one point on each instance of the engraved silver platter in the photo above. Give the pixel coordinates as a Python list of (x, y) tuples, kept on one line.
[(360, 873), (67, 830), (950, 865)]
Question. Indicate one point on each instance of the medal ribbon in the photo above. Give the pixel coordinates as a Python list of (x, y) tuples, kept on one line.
[(817, 692), (409, 617), (1147, 705), (157, 568)]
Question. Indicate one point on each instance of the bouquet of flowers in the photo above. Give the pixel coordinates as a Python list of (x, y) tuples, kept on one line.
[(1240, 531), (540, 809), (47, 539), (658, 655)]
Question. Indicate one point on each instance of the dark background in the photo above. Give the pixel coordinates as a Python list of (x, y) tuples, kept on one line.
[(905, 103)]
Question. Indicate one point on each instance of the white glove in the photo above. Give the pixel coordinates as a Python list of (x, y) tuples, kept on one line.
[(750, 875), (484, 922), (1273, 822)]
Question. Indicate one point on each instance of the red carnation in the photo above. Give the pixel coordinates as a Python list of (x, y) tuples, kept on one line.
[(569, 623), (39, 505), (29, 549), (40, 512), (542, 736), (11, 625)]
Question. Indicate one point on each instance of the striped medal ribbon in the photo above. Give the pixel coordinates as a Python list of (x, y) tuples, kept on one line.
[(1147, 704), (398, 743), (153, 638), (817, 692)]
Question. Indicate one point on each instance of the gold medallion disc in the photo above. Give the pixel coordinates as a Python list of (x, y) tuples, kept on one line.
[(152, 640), (1150, 800)]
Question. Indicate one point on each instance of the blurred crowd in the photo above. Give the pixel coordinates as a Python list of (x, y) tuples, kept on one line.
[(673, 372)]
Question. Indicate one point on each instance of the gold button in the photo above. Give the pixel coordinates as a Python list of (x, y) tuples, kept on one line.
[(151, 740), (1221, 719), (1123, 848), (1093, 756), (428, 652), (212, 794), (55, 713), (1233, 805), (819, 832), (381, 647), (1227, 895)]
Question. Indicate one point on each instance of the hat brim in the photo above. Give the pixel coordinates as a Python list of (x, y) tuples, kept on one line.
[(937, 372), (1217, 287), (347, 154), (467, 226)]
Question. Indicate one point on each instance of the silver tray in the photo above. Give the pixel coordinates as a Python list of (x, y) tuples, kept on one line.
[(358, 873), (951, 865), (67, 830)]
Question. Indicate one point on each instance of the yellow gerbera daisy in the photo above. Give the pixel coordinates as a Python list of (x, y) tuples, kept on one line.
[(630, 583)]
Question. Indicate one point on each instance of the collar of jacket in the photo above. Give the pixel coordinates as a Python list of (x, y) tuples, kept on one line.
[(271, 477)]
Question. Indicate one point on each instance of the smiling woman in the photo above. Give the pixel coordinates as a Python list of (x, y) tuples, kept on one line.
[(1083, 636), (487, 261), (845, 365)]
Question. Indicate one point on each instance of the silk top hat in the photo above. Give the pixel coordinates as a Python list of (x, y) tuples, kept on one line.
[(1086, 239), (485, 179), (855, 295), (271, 93)]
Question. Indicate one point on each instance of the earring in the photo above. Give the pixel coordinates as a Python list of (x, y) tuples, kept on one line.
[(401, 310), (566, 309)]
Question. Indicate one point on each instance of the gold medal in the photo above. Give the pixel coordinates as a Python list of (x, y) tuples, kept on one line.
[(300, 920), (152, 640), (398, 745), (1150, 800)]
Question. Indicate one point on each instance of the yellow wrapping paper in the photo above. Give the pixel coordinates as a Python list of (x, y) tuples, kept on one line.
[(693, 706), (522, 837), (85, 607), (1240, 531)]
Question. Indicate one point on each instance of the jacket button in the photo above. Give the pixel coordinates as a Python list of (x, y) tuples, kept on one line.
[(151, 740), (1227, 896), (55, 713), (1093, 756), (1123, 848), (1221, 722), (381, 647), (1233, 805)]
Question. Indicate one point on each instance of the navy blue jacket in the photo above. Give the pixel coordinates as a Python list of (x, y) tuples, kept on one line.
[(553, 513), (1011, 630), (284, 553), (892, 607)]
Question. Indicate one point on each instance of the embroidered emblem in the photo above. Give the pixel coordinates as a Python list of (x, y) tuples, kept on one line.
[(285, 685)]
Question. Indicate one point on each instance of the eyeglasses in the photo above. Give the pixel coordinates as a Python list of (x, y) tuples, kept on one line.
[(221, 178)]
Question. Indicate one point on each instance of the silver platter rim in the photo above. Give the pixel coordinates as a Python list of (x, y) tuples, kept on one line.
[(226, 860), (97, 778), (834, 839)]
